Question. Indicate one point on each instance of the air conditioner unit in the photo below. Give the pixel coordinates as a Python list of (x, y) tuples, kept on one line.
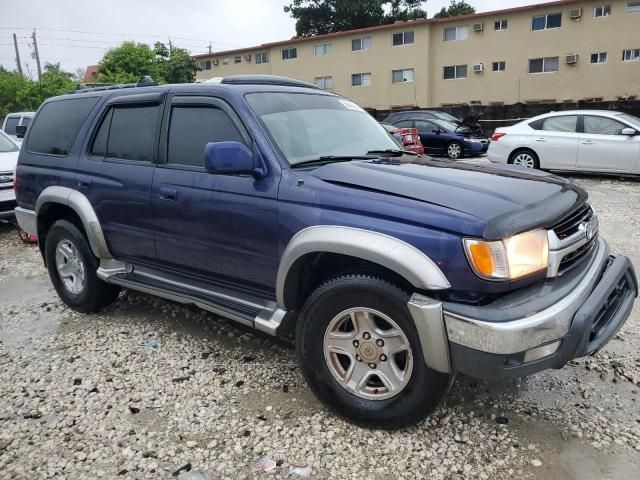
[(478, 68), (215, 61), (571, 59), (478, 27), (575, 14), (247, 57)]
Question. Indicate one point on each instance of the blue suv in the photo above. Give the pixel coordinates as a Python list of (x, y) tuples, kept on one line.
[(289, 209)]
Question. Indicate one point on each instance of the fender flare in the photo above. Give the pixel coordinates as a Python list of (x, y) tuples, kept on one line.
[(82, 207), (390, 252)]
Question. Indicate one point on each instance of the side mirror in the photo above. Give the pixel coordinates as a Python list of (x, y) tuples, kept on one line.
[(21, 130), (628, 131), (436, 131), (231, 158)]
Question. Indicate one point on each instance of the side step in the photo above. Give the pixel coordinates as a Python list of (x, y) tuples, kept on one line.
[(256, 312)]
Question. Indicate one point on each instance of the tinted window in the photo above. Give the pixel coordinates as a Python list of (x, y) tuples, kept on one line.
[(425, 127), (26, 121), (404, 124), (192, 128), (132, 135), (57, 125), (10, 126), (99, 148), (602, 126), (565, 123)]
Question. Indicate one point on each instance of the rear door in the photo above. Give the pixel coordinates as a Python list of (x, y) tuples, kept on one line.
[(222, 228), (556, 141), (116, 172), (603, 148)]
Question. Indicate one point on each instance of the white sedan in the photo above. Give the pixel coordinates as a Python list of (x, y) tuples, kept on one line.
[(582, 140), (9, 151)]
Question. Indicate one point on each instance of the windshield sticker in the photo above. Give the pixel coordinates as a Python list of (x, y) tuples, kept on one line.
[(351, 106)]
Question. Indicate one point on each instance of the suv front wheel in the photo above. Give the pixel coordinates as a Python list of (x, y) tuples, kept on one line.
[(361, 355), (72, 268)]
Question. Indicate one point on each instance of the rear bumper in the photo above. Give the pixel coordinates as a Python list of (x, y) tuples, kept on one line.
[(26, 220), (492, 345)]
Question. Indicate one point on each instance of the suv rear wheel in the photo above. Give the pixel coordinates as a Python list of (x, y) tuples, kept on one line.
[(72, 268), (361, 355)]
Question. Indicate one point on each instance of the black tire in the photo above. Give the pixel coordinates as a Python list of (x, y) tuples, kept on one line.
[(450, 154), (526, 151), (95, 294), (425, 388)]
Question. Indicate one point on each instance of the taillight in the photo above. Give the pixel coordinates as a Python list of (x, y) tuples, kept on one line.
[(497, 136), (15, 181)]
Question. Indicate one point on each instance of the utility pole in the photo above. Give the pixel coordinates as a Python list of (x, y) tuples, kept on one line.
[(15, 43), (170, 47), (210, 47), (35, 49)]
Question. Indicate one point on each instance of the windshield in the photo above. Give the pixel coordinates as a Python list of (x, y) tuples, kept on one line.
[(6, 145), (445, 116), (308, 126), (448, 126), (631, 119)]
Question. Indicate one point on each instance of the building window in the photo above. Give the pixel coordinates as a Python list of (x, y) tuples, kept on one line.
[(237, 59), (226, 60), (402, 38), (361, 79), (456, 33), (600, 57), (358, 44), (289, 53), (545, 22), (452, 72), (499, 66), (262, 57), (543, 65), (322, 49), (631, 55), (402, 76), (500, 25), (325, 83), (602, 11), (633, 7), (205, 65)]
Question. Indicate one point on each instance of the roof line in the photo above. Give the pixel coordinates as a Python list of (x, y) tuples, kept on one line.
[(423, 21)]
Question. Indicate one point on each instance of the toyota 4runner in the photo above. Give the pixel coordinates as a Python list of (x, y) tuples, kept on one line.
[(272, 203)]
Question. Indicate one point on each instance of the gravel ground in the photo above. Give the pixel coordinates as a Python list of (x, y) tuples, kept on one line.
[(148, 389)]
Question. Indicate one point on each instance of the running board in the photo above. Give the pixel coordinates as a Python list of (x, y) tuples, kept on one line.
[(256, 312)]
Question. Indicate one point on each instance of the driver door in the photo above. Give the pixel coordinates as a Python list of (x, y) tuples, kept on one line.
[(603, 148)]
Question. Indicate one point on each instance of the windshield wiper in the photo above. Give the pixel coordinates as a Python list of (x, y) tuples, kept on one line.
[(391, 152), (325, 159)]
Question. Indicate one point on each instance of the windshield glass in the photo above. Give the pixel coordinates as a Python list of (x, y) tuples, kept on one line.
[(445, 116), (448, 126), (6, 145), (307, 126), (631, 119)]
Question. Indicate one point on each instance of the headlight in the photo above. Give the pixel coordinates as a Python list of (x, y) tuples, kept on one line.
[(511, 258), (473, 140)]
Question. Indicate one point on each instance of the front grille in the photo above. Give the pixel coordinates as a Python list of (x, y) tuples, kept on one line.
[(569, 225), (576, 257), (8, 205), (6, 180)]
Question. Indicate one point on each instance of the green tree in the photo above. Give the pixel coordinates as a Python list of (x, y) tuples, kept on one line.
[(11, 83), (54, 81), (316, 17), (457, 8), (175, 65), (127, 63)]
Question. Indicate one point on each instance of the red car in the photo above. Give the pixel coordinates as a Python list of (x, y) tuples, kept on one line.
[(408, 138)]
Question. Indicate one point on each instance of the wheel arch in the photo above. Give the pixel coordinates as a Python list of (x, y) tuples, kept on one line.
[(55, 200), (358, 248)]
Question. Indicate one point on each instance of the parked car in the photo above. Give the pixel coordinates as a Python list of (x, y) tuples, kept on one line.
[(421, 114), (8, 159), (408, 138), (582, 140), (440, 137), (290, 209), (12, 120)]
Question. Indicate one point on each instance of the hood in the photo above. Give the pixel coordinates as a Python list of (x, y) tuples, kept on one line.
[(8, 161), (508, 199)]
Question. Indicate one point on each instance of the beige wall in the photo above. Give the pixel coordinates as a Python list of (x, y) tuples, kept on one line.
[(429, 54)]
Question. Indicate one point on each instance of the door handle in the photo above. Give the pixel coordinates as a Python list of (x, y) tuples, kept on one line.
[(168, 193), (541, 140), (84, 181), (588, 142)]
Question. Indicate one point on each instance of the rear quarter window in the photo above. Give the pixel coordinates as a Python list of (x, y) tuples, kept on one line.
[(56, 125), (10, 125)]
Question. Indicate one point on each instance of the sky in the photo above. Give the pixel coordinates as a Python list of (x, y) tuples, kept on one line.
[(77, 33)]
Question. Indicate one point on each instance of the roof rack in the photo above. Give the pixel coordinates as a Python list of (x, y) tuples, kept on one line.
[(144, 81), (266, 80)]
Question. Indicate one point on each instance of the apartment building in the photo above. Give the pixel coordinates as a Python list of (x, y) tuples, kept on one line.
[(566, 50)]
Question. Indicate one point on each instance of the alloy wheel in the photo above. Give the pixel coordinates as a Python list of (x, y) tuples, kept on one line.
[(454, 151), (368, 353), (524, 159), (70, 266)]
